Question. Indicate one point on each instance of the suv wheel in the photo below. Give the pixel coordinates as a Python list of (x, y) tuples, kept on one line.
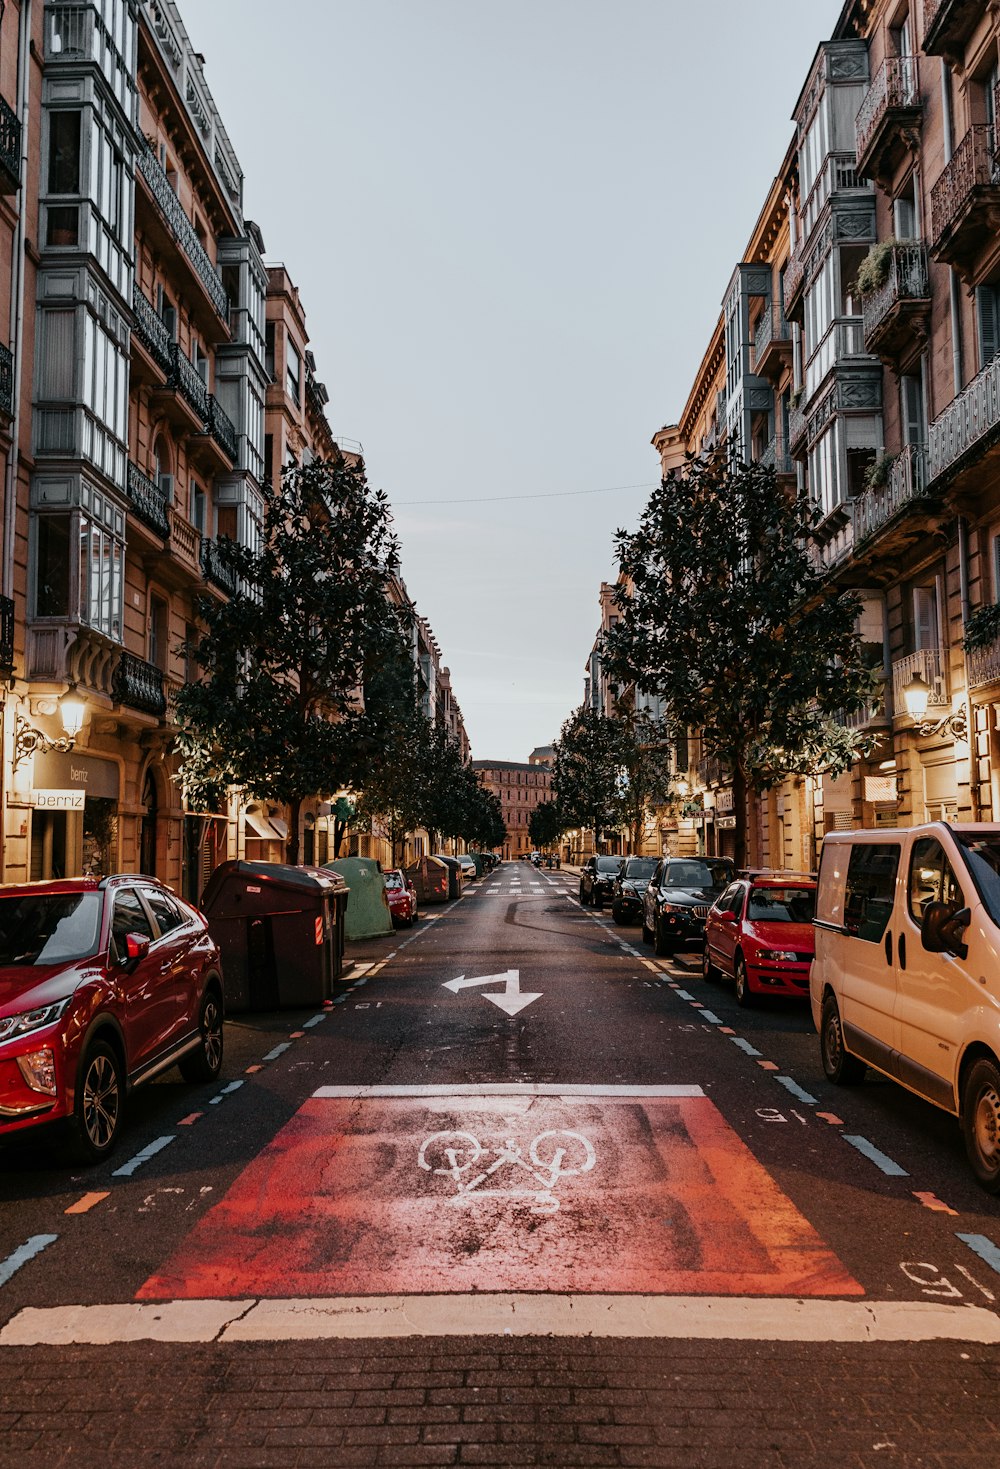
[(840, 1066), (205, 1063), (664, 947), (981, 1122), (100, 1098), (647, 932)]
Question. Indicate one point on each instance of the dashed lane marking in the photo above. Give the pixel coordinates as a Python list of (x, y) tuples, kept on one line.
[(797, 1091), (983, 1246), (769, 1065), (875, 1155), (31, 1247), (86, 1203), (149, 1151), (832, 1118), (192, 1117), (316, 1020), (931, 1201), (233, 1086), (707, 1318), (279, 1050)]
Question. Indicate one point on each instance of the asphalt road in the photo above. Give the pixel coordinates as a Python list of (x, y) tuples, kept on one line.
[(587, 1211)]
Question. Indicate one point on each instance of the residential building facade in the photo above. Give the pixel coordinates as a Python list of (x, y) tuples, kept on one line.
[(520, 787)]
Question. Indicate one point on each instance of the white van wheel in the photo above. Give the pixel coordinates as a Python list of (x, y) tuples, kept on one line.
[(981, 1122), (840, 1066)]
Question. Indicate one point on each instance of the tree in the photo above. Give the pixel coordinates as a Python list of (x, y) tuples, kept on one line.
[(276, 710), (546, 825), (588, 771), (725, 616), (645, 782)]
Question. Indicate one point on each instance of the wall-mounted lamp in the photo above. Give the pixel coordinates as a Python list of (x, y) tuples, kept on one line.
[(916, 695), (28, 740)]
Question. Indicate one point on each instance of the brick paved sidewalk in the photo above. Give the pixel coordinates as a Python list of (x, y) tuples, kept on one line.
[(522, 1402)]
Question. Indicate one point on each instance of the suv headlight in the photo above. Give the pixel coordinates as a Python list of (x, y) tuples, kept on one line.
[(676, 908), (12, 1026)]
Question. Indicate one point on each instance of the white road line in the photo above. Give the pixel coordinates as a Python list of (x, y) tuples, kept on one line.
[(876, 1156), (797, 1091), (221, 1096), (984, 1247), (707, 1318), (508, 1089), (157, 1146), (277, 1051)]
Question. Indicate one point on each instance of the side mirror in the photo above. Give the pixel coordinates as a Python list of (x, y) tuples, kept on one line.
[(942, 929), (136, 949)]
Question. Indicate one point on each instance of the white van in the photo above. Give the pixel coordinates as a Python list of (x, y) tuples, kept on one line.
[(906, 977)]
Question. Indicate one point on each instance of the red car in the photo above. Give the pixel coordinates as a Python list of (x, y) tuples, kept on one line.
[(402, 897), (104, 983), (759, 932)]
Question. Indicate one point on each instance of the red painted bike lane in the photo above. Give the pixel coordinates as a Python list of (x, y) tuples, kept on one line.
[(496, 1189)]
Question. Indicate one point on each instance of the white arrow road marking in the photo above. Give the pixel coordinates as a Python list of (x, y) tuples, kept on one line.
[(509, 998)]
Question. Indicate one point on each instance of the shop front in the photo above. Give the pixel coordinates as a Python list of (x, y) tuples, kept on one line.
[(74, 802)]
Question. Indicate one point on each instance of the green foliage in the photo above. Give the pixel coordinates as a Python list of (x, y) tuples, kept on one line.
[(724, 616), (982, 628), (878, 471), (610, 771), (873, 271), (546, 824), (275, 709)]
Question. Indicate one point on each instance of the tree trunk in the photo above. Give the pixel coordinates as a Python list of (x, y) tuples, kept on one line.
[(339, 827), (295, 811), (740, 812)]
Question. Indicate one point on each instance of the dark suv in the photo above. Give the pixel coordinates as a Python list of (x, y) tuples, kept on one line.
[(630, 884), (597, 880), (677, 900), (103, 985)]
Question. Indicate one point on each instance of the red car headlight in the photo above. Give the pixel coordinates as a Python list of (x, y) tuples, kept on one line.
[(12, 1026)]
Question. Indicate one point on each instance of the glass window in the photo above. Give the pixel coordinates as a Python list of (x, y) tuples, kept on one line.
[(52, 566), (48, 928), (782, 905), (100, 579), (692, 873), (871, 887), (731, 900), (293, 372), (639, 867), (982, 857), (164, 910), (64, 152), (932, 879), (129, 917)]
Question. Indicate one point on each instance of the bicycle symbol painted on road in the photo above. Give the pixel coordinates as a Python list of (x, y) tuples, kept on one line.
[(552, 1156)]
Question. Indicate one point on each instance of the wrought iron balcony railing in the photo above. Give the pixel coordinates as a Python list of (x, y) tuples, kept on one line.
[(138, 685), (777, 457), (907, 281), (973, 166), (6, 637), (895, 88), (182, 229), (907, 481), (932, 665), (971, 419), (6, 382), (771, 329), (188, 381), (983, 665), (148, 501), (150, 330), (222, 428), (10, 147), (216, 567), (948, 24)]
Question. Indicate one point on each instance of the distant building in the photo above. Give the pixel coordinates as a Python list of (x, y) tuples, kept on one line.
[(520, 787)]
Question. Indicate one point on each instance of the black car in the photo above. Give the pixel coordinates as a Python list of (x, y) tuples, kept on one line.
[(678, 897), (597, 880), (630, 884)]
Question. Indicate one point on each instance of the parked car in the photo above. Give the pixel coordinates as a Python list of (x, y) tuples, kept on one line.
[(536, 858), (677, 899), (401, 894), (597, 880), (630, 884), (759, 933), (468, 867), (104, 984), (906, 978)]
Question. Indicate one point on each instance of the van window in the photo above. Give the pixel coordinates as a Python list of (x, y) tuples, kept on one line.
[(932, 879), (871, 885), (982, 857)]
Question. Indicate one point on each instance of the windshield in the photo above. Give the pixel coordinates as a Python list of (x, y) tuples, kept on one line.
[(982, 857), (608, 864), (643, 867), (694, 874), (393, 880), (782, 905), (48, 928)]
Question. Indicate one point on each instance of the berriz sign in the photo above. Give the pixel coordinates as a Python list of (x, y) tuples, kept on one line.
[(58, 800)]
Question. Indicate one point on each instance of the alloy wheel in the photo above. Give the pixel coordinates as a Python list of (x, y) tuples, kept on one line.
[(101, 1101)]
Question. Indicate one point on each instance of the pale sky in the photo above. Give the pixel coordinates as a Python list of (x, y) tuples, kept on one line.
[(511, 224)]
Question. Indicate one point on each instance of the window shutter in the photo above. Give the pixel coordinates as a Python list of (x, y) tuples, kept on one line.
[(988, 317)]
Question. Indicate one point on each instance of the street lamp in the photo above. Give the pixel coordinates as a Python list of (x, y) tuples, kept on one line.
[(28, 740), (916, 695)]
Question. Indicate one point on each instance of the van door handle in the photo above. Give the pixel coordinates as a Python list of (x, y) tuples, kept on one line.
[(888, 948), (902, 951)]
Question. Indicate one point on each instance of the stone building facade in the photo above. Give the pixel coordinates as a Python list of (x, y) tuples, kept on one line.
[(520, 787)]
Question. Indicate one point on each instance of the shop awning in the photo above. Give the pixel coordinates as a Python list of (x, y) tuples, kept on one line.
[(257, 820)]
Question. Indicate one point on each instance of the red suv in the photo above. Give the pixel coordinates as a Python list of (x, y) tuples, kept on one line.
[(760, 932), (103, 985), (402, 897)]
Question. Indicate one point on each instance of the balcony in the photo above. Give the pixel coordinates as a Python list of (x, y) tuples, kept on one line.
[(897, 314), (871, 715), (148, 502), (798, 433), (6, 637), (181, 231), (983, 665), (185, 378), (968, 428), (149, 330), (794, 281), (965, 202), (772, 343), (777, 457), (888, 124), (932, 665), (844, 338), (10, 149), (136, 684), (711, 772), (6, 383), (902, 498), (216, 568), (222, 428), (948, 24)]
